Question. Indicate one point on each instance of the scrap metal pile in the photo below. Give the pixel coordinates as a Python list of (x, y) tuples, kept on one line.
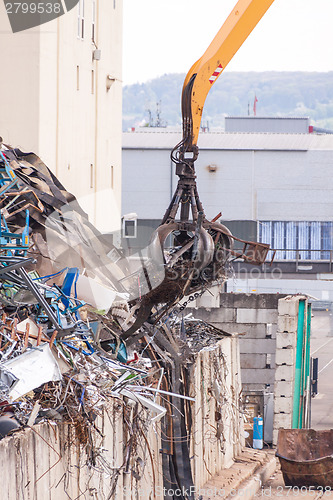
[(52, 363), (71, 335)]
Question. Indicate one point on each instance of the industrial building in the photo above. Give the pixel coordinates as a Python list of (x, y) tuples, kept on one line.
[(269, 177)]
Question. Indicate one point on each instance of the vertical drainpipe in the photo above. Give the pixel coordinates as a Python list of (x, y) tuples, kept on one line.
[(298, 366), (308, 333), (171, 179), (303, 375), (307, 363)]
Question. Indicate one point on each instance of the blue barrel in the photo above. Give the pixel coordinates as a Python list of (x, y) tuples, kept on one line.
[(258, 433)]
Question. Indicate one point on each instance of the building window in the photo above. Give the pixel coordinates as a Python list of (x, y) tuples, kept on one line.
[(77, 77), (80, 19), (129, 227), (93, 22), (304, 240), (91, 175), (112, 176), (92, 81)]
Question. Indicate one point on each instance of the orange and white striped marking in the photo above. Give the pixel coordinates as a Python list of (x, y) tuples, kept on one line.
[(216, 73)]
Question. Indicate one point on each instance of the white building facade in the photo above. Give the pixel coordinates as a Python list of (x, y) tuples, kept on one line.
[(266, 180), (61, 98)]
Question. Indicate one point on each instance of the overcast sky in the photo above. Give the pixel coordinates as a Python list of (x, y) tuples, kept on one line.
[(168, 36)]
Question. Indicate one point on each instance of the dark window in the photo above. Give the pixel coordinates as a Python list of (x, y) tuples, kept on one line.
[(129, 228)]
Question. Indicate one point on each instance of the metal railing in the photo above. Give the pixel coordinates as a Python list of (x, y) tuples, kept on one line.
[(302, 258), (303, 255)]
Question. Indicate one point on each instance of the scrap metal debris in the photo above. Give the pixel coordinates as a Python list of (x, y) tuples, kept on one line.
[(198, 333), (75, 332)]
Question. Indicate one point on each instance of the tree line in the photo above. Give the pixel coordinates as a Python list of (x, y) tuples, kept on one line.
[(157, 102)]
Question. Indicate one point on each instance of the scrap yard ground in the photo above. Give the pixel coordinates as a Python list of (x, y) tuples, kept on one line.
[(272, 484), (322, 405)]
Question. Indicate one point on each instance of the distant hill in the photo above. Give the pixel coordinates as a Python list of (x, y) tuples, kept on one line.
[(279, 94)]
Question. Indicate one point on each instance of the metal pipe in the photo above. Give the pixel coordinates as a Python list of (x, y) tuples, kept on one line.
[(314, 376), (17, 265), (305, 354), (196, 236), (185, 207), (171, 179), (298, 365), (306, 379), (41, 299), (193, 205)]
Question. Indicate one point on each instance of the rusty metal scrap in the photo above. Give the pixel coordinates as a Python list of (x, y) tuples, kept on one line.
[(305, 457)]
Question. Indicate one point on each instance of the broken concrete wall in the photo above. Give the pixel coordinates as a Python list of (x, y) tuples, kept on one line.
[(286, 343), (254, 317), (217, 423), (48, 462), (269, 324), (54, 461)]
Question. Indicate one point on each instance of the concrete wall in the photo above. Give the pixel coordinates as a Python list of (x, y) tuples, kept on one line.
[(267, 326), (254, 317), (48, 462), (217, 423)]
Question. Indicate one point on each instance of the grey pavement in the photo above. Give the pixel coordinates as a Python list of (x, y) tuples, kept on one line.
[(322, 348)]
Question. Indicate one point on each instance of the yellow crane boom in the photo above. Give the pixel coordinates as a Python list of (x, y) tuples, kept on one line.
[(203, 74), (201, 248)]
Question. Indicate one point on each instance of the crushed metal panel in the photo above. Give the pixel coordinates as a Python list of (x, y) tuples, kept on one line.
[(32, 369)]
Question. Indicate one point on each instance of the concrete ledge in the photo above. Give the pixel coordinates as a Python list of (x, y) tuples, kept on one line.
[(257, 316), (243, 479), (253, 346), (285, 356), (250, 300), (283, 389), (285, 373), (287, 324), (250, 331), (286, 339), (264, 376), (220, 315), (283, 420), (251, 487)]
